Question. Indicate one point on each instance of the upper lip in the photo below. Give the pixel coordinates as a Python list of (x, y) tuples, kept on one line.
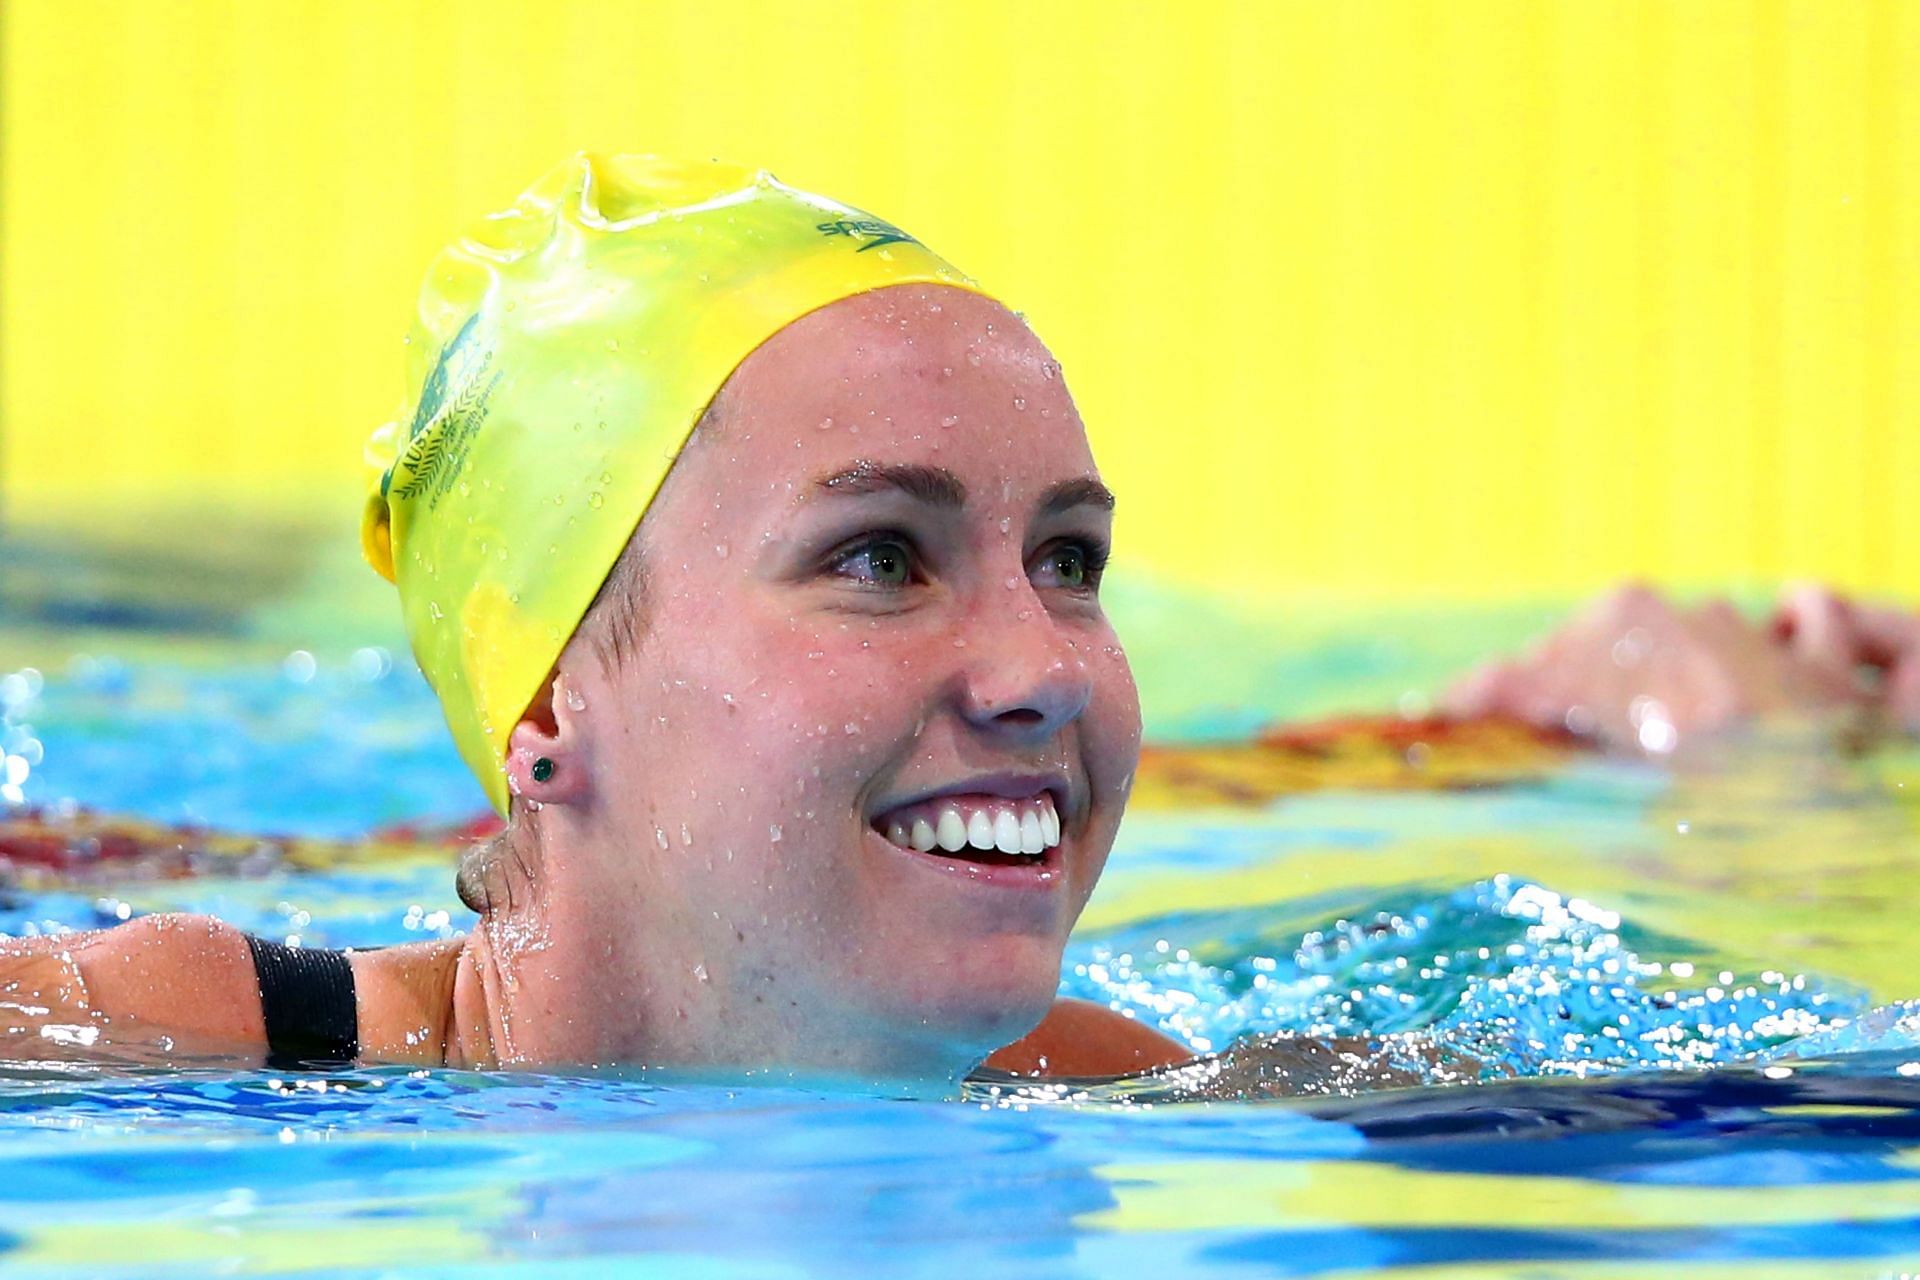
[(1011, 786)]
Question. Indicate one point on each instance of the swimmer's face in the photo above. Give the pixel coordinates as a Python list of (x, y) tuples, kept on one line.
[(873, 598)]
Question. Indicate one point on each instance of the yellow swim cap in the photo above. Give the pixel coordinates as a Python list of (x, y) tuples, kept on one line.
[(562, 354)]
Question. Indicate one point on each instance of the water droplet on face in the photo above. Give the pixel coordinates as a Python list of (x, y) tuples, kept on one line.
[(660, 837), (850, 728), (720, 549), (1012, 582), (973, 358), (1024, 614), (825, 424), (773, 833), (959, 642), (686, 834), (1020, 403), (576, 701), (946, 371), (1006, 523), (950, 420), (700, 972), (1049, 370)]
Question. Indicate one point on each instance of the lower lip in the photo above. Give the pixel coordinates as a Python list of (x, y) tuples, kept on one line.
[(1041, 874)]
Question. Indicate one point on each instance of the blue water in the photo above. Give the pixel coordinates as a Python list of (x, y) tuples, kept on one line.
[(1592, 939)]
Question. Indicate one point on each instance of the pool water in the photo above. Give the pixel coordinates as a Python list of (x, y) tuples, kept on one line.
[(1591, 934)]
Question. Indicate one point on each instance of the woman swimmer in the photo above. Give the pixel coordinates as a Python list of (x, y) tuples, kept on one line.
[(814, 766), (812, 769)]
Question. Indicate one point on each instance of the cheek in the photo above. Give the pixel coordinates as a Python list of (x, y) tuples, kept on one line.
[(846, 686), (1113, 713), (785, 724)]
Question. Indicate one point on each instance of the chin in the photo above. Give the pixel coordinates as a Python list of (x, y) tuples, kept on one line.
[(989, 1000)]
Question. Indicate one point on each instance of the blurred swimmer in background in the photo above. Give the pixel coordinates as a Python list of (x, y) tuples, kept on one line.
[(1640, 673)]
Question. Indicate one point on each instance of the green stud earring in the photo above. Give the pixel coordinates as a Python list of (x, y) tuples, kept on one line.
[(542, 769)]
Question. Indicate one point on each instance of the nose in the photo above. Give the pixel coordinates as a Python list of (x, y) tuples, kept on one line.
[(1024, 677)]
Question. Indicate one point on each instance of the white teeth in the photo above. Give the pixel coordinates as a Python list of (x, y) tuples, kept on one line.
[(1032, 830), (952, 833)]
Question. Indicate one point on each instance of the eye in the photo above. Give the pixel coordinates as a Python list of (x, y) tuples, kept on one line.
[(1078, 563), (884, 560)]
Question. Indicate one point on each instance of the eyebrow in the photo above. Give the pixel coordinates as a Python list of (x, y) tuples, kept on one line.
[(935, 486), (939, 487), (1084, 492)]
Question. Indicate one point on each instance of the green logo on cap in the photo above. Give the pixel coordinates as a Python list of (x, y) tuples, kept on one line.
[(872, 230)]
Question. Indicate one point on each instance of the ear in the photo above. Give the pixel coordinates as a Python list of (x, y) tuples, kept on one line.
[(550, 730)]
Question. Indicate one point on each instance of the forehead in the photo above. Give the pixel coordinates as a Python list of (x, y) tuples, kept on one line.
[(930, 375)]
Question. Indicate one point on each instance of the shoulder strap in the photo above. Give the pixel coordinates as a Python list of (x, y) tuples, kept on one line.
[(306, 996)]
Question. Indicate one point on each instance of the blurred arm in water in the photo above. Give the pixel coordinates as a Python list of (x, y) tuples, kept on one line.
[(1636, 671)]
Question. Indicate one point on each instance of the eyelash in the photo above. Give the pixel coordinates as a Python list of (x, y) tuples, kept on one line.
[(1093, 554)]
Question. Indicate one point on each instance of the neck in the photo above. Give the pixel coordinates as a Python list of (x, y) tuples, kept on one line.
[(552, 976), (500, 998)]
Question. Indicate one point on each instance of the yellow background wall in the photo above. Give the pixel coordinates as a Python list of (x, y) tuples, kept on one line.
[(1469, 299)]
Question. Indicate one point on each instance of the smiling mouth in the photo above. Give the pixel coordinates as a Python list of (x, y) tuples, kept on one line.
[(989, 830)]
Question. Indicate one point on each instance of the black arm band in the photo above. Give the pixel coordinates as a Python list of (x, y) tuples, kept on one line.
[(307, 999)]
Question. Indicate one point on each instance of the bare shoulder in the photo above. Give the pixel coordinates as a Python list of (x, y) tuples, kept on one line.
[(177, 975), (1080, 1038)]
